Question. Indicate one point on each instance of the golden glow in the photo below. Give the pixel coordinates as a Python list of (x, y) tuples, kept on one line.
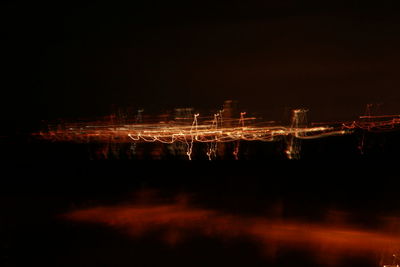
[(180, 220), (216, 130)]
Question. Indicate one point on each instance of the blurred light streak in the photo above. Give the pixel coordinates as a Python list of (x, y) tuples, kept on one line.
[(188, 128), (185, 221)]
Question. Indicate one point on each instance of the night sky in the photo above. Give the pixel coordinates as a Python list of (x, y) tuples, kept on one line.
[(67, 59)]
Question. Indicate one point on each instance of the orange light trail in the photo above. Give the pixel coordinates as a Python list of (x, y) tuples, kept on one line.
[(181, 220), (216, 130), (168, 134)]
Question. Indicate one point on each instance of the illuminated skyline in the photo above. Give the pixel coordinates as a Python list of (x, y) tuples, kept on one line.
[(187, 128)]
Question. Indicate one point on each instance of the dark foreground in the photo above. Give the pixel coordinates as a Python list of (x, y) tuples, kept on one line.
[(336, 190)]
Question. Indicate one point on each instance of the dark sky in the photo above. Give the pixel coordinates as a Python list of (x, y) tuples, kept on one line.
[(67, 59)]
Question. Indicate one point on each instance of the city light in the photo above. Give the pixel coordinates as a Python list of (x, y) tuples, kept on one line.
[(188, 128)]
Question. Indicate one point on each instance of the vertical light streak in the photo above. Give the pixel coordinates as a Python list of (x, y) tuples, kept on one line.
[(190, 145), (237, 143), (212, 146)]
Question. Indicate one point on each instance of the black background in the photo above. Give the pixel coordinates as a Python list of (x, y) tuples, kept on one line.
[(67, 59)]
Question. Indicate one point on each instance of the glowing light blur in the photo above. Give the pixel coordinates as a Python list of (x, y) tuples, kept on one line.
[(192, 128), (179, 221)]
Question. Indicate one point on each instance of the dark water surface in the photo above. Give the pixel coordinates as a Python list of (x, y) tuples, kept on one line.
[(360, 195), (334, 207)]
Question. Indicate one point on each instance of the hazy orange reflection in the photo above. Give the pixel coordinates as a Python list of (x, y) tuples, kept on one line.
[(180, 220)]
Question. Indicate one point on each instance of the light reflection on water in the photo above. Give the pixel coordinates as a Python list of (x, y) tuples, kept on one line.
[(178, 221)]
